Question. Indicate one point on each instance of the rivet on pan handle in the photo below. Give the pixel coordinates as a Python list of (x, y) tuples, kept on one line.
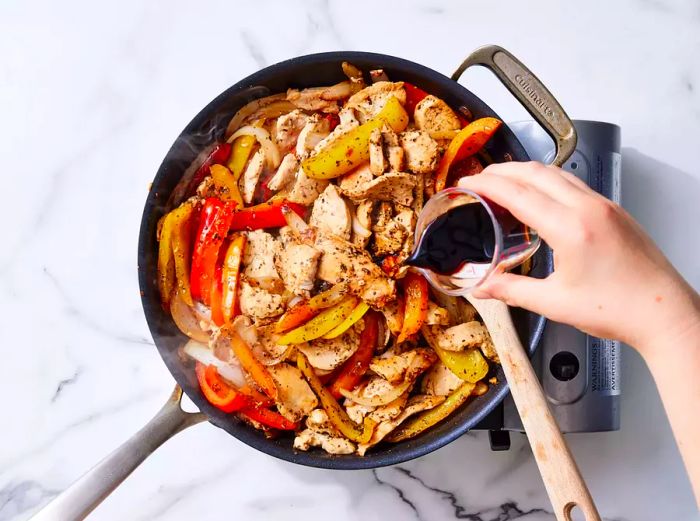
[(531, 93), (78, 500)]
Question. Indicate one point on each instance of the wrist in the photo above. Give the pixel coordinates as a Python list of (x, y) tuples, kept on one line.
[(675, 323)]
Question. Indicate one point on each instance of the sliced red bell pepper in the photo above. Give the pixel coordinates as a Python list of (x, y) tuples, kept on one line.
[(269, 418), (218, 392), (414, 96), (219, 155), (467, 142), (231, 275), (356, 366), (213, 228), (416, 295), (265, 215), (333, 120)]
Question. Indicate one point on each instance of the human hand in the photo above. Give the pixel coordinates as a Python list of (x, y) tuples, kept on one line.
[(609, 279)]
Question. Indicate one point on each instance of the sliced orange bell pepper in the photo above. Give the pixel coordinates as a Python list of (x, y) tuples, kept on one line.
[(357, 365), (230, 277), (251, 365), (416, 304), (336, 414), (352, 148), (227, 184), (346, 324), (467, 142), (218, 392), (307, 309), (320, 324)]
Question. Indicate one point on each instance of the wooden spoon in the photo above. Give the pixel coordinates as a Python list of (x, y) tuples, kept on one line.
[(561, 476)]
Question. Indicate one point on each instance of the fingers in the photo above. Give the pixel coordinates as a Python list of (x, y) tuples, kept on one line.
[(526, 202), (555, 182), (518, 291)]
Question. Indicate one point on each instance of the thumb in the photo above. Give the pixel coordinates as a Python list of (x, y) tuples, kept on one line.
[(516, 290)]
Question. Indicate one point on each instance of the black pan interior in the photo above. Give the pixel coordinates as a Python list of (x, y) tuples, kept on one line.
[(208, 126)]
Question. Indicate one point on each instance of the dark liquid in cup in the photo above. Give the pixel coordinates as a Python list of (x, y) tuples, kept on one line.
[(461, 235)]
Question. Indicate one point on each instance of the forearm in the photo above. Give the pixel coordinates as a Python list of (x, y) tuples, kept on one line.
[(674, 364)]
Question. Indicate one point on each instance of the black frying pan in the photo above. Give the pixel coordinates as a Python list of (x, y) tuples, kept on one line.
[(206, 128)]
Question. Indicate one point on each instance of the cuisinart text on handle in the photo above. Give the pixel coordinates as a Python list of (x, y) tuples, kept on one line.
[(530, 91)]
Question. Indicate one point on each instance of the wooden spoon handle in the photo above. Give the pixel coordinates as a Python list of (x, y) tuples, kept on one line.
[(561, 476)]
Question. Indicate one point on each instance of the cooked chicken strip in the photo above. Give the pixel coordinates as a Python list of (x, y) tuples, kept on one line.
[(258, 303), (436, 315), (331, 213), (414, 405), (392, 186), (377, 163), (305, 189), (392, 149), (295, 398), (347, 123), (288, 128), (329, 354), (356, 180), (259, 255), (332, 445), (434, 115), (315, 131), (369, 101), (251, 175), (324, 99), (342, 261), (285, 173), (440, 381), (462, 336), (421, 151), (297, 264)]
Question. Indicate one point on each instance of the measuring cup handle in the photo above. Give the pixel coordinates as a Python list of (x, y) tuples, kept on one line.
[(531, 93)]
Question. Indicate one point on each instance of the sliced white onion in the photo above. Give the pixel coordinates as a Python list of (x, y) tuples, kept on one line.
[(246, 330), (231, 371), (250, 108), (294, 300), (188, 320), (358, 228), (272, 153)]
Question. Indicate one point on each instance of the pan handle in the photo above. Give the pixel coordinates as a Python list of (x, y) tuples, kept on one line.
[(81, 498), (531, 93)]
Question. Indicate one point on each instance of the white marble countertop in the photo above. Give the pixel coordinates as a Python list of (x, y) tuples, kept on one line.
[(92, 94)]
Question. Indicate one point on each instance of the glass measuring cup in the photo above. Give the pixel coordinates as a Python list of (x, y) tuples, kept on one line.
[(499, 242)]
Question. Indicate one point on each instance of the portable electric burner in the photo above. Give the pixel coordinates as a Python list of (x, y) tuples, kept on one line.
[(580, 374)]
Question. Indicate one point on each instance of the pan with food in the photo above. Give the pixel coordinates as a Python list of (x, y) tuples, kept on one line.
[(271, 263)]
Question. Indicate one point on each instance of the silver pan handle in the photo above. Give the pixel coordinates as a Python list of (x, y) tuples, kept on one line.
[(81, 498), (531, 93)]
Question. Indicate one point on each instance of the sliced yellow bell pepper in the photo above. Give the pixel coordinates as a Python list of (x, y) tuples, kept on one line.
[(414, 426), (224, 179), (346, 324), (321, 323), (352, 149), (180, 221), (166, 261), (242, 147), (469, 365), (336, 414)]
